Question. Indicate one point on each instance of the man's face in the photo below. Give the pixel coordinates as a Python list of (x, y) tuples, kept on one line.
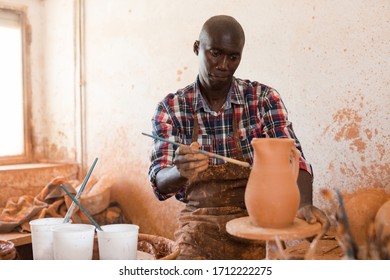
[(219, 56)]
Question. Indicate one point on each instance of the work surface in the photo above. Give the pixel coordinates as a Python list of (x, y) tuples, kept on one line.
[(326, 249), (17, 238), (243, 228)]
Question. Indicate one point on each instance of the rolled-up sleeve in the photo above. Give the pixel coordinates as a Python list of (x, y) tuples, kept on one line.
[(162, 153)]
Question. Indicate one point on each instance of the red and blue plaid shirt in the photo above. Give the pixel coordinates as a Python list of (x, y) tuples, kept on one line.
[(259, 111)]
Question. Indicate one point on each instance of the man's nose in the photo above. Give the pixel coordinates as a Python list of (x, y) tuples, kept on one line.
[(223, 63)]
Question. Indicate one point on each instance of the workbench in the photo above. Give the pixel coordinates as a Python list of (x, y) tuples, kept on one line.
[(22, 242)]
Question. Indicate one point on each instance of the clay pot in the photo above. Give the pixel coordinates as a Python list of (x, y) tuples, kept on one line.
[(7, 250), (382, 224), (272, 195), (361, 209)]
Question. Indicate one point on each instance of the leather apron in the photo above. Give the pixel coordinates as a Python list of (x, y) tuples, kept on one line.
[(214, 198)]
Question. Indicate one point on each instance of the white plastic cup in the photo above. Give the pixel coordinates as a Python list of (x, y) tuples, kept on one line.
[(42, 237), (73, 241), (118, 242)]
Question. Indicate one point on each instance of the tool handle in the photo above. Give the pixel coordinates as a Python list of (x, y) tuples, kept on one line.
[(78, 195), (226, 159)]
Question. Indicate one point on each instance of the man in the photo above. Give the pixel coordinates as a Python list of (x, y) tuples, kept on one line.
[(221, 114)]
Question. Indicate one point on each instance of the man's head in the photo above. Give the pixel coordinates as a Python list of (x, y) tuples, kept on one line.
[(219, 49)]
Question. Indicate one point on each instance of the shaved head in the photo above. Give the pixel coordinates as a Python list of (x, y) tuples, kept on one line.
[(219, 50), (222, 24)]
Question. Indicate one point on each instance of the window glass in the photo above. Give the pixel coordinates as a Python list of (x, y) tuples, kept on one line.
[(12, 103)]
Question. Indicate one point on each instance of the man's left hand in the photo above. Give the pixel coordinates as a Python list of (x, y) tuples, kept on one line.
[(312, 214)]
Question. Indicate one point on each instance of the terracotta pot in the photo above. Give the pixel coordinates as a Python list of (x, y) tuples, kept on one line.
[(7, 250), (382, 225), (361, 208), (272, 195)]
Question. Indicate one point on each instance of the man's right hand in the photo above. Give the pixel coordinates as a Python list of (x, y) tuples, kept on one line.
[(187, 165), (189, 162)]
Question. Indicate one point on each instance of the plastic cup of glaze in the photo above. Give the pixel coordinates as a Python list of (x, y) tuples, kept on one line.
[(118, 242), (42, 237), (73, 242)]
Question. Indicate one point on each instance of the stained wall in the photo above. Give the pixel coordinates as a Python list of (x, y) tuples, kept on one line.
[(328, 59)]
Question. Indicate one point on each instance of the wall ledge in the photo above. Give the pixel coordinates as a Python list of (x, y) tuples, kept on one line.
[(32, 166), (29, 179)]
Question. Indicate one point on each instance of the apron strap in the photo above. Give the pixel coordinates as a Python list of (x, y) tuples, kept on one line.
[(195, 129)]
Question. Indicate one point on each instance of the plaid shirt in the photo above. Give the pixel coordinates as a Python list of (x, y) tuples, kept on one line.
[(259, 111)]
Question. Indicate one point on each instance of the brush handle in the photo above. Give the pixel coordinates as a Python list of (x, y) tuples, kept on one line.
[(226, 159), (78, 195), (82, 208)]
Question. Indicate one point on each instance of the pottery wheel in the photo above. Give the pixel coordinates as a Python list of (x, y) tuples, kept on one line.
[(243, 228)]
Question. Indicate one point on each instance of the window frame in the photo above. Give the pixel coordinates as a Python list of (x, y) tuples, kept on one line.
[(25, 157)]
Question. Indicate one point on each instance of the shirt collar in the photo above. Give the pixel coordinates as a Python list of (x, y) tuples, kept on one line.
[(235, 95)]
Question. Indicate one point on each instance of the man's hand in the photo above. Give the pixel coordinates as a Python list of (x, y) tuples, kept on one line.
[(312, 214), (190, 163)]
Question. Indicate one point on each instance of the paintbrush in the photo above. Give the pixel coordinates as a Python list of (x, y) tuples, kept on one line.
[(349, 246), (78, 195), (226, 159), (82, 208)]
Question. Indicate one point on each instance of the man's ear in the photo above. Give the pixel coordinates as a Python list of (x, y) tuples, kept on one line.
[(196, 47)]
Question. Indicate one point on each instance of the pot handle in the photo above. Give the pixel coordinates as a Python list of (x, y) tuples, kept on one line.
[(295, 162)]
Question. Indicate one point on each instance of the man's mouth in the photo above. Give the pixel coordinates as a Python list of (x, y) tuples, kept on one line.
[(219, 77)]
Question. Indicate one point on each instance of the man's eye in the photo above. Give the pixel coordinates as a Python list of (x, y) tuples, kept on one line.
[(234, 57), (214, 53)]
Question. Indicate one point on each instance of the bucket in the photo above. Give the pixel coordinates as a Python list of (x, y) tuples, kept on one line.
[(149, 247), (73, 242), (118, 242), (42, 237)]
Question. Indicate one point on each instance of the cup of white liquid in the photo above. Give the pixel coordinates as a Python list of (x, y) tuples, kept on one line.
[(73, 242), (118, 242), (42, 237)]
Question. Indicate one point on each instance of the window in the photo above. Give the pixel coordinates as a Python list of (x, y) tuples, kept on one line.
[(15, 133)]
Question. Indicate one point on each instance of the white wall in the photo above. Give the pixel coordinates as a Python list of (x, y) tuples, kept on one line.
[(328, 59)]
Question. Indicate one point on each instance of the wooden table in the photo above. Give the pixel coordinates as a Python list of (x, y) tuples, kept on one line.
[(243, 228), (22, 242), (17, 238)]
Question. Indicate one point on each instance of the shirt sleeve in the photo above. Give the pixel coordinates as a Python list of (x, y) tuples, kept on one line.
[(276, 123), (162, 153)]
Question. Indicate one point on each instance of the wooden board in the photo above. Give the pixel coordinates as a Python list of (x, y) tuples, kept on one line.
[(17, 238), (243, 228)]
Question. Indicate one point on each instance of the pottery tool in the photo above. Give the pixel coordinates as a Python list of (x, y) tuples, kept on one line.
[(226, 159), (347, 242), (82, 208), (78, 195)]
